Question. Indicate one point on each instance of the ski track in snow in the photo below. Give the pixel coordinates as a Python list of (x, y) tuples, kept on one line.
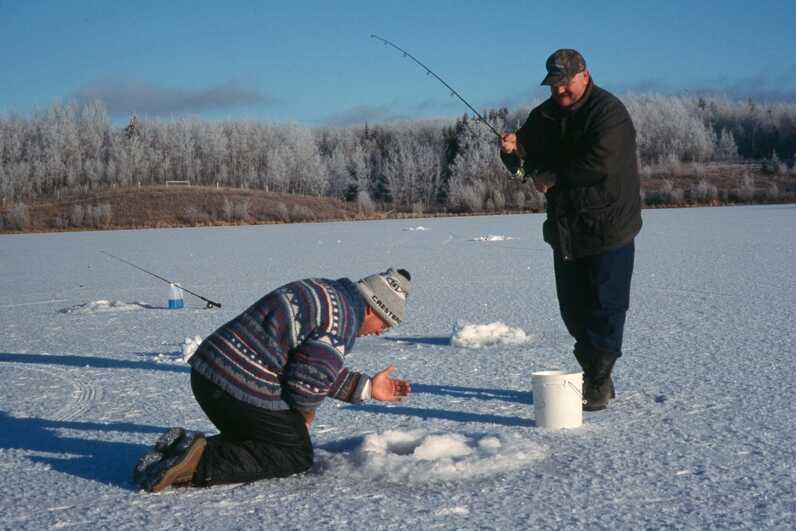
[(700, 435), (81, 398)]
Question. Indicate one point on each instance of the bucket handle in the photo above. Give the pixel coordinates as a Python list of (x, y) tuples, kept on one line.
[(577, 391)]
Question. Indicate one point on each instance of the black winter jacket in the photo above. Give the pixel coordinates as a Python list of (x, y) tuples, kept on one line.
[(595, 205)]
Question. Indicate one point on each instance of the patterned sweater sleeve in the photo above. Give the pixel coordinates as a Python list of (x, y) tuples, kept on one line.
[(315, 370)]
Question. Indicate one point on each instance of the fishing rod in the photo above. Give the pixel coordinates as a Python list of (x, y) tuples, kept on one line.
[(210, 304), (432, 73)]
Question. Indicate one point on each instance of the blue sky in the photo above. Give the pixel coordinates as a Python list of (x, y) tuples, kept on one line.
[(314, 62)]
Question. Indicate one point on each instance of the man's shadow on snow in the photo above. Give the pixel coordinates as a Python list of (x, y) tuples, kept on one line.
[(109, 462), (444, 414), (93, 362), (436, 341), (476, 393), (105, 461)]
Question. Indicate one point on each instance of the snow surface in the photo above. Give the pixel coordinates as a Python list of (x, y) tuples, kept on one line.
[(700, 436)]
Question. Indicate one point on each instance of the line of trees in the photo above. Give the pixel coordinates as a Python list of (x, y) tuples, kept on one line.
[(408, 166)]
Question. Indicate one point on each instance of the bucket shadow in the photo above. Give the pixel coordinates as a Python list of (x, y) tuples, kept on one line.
[(504, 395), (89, 361), (444, 414), (108, 462)]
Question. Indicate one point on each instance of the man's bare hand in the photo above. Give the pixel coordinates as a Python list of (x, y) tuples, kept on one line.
[(309, 416), (508, 143), (388, 389), (544, 181)]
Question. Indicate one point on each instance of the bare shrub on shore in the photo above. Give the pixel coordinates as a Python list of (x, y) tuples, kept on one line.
[(498, 200), (518, 199), (281, 212), (772, 192), (667, 195), (364, 203), (774, 166), (228, 209), (746, 188), (17, 217), (302, 213), (77, 215), (197, 216), (704, 192), (98, 215), (241, 210)]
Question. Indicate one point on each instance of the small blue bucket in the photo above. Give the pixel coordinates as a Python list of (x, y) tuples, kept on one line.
[(175, 297)]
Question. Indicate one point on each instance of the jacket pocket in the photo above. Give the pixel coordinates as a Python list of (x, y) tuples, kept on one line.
[(592, 225)]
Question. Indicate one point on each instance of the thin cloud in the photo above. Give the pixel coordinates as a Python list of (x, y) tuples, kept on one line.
[(123, 97), (362, 114), (767, 87)]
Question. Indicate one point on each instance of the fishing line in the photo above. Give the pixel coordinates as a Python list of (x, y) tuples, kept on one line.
[(432, 73)]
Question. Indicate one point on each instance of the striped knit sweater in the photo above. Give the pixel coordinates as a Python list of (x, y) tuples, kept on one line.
[(287, 349)]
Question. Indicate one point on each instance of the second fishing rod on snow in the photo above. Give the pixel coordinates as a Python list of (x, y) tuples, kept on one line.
[(432, 73), (210, 304)]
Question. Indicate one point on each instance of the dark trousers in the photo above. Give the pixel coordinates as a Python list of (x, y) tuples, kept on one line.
[(254, 443), (593, 296)]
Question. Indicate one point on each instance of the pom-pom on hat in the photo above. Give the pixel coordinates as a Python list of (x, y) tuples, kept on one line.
[(386, 293)]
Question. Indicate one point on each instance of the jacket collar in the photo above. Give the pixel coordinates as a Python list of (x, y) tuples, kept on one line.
[(354, 299)]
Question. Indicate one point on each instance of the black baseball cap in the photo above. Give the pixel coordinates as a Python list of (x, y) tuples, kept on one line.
[(562, 66)]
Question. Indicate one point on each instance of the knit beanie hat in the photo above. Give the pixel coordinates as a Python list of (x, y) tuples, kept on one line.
[(386, 293)]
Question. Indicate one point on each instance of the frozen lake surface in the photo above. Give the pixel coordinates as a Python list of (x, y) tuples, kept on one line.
[(701, 434)]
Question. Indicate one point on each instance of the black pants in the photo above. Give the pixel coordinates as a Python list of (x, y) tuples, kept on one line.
[(593, 296), (254, 443)]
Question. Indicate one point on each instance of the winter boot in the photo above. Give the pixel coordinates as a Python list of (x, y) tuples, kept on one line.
[(585, 364), (176, 441), (170, 443), (599, 388), (177, 469), (148, 460)]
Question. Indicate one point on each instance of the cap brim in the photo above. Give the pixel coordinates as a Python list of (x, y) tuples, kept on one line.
[(555, 79)]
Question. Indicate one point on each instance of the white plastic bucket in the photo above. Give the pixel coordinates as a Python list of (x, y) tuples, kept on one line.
[(175, 297), (557, 399)]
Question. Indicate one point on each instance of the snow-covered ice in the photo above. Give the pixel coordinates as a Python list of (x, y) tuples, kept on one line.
[(103, 306), (492, 238), (700, 436)]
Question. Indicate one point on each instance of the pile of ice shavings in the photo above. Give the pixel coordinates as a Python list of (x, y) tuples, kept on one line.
[(491, 238), (467, 335), (418, 456)]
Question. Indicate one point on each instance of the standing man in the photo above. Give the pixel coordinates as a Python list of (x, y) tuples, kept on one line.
[(579, 147), (260, 378)]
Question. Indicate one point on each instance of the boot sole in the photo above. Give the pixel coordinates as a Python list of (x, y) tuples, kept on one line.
[(594, 408), (182, 471)]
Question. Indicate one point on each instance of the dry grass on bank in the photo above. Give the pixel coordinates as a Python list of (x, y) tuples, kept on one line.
[(190, 206)]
